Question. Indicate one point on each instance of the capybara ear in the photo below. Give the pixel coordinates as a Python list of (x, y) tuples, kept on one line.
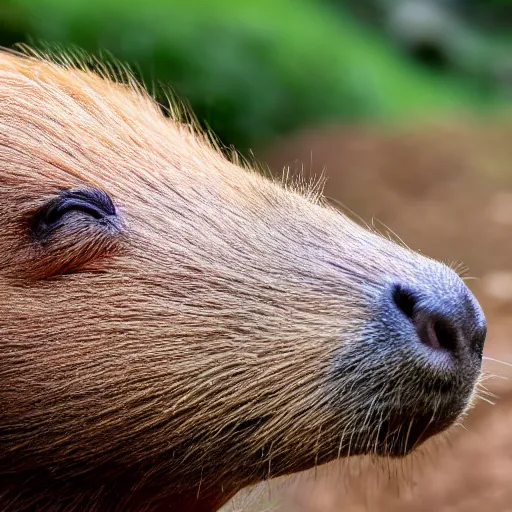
[(72, 230)]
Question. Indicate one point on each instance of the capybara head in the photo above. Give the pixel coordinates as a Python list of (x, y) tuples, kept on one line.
[(175, 327)]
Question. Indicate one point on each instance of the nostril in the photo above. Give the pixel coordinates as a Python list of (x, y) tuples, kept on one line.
[(445, 334), (435, 332), (405, 301), (433, 328)]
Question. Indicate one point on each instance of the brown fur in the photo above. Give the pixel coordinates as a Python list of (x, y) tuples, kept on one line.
[(212, 338)]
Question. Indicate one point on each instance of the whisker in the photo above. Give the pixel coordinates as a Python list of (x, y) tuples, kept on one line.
[(487, 358), (486, 400)]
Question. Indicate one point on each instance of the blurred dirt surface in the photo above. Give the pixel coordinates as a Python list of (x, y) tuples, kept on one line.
[(446, 190)]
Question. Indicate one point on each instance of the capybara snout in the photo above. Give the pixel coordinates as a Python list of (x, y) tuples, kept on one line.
[(422, 345), (175, 327)]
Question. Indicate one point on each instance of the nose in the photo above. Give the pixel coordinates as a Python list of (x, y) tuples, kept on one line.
[(449, 320)]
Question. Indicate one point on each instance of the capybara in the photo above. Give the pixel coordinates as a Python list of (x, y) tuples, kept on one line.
[(175, 327)]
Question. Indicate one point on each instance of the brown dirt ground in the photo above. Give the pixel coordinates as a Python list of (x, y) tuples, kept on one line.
[(446, 189)]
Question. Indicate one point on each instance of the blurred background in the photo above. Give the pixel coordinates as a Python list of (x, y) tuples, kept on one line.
[(406, 107)]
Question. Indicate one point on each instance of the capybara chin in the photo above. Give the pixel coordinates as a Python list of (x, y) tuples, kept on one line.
[(175, 327)]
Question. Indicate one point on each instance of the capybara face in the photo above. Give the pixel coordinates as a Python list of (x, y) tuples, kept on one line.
[(175, 327)]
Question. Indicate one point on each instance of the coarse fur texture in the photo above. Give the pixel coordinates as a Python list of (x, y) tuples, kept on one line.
[(175, 327)]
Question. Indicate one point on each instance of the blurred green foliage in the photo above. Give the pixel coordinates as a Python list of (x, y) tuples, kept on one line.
[(250, 69)]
